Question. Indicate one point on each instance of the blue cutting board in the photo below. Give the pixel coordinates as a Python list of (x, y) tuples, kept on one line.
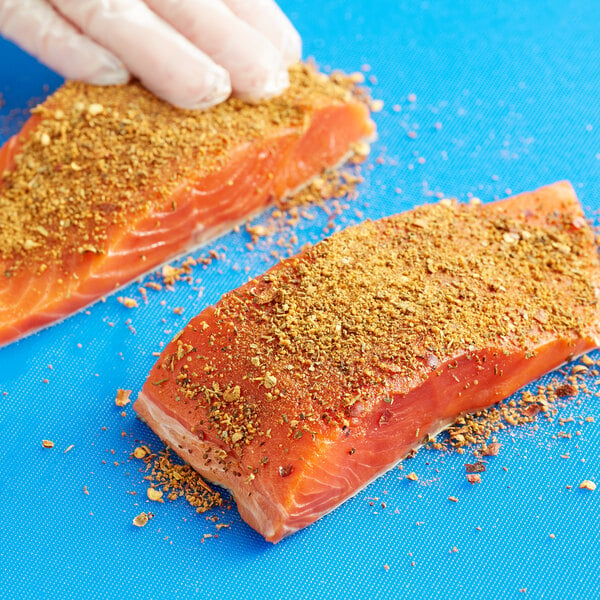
[(506, 100)]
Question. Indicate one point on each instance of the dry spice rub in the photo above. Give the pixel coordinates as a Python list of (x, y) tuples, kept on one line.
[(302, 385), (86, 163), (395, 296)]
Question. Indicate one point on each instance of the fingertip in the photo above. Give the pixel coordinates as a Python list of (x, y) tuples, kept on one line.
[(291, 47), (109, 76), (210, 88), (264, 86), (276, 84)]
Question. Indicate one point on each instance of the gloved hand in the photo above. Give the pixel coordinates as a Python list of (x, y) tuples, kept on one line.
[(193, 53)]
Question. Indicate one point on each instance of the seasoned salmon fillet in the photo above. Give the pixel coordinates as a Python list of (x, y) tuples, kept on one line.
[(103, 184), (302, 386)]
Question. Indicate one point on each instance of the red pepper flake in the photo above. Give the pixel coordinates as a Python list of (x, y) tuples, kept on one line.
[(473, 478), (285, 471), (178, 310), (453, 498), (386, 567), (566, 389)]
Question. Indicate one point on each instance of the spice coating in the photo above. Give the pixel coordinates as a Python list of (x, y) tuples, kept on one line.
[(101, 154)]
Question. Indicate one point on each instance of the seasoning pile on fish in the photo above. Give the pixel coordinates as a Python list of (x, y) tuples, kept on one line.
[(302, 386), (103, 184)]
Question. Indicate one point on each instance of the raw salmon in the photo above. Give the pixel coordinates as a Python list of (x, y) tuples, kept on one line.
[(104, 184), (299, 388)]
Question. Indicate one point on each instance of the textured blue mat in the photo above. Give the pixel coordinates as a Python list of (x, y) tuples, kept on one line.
[(506, 100)]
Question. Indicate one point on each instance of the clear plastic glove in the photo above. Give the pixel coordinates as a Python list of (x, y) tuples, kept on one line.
[(192, 53)]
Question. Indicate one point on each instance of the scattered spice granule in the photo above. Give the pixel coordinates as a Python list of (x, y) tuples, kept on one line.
[(69, 448), (141, 520), (478, 467), (412, 476), (587, 484), (128, 302), (47, 444), (122, 398), (552, 536), (376, 106), (453, 498), (473, 478), (140, 452), (386, 567), (154, 494)]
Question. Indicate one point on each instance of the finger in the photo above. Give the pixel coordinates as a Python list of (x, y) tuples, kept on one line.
[(255, 66), (39, 30), (163, 59), (266, 16)]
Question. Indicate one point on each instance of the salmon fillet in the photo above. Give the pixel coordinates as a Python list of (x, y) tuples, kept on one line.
[(300, 387), (104, 184)]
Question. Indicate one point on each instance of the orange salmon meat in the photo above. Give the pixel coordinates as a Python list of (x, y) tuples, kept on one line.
[(104, 184), (300, 387)]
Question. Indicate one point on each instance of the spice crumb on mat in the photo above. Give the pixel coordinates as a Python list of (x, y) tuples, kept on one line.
[(587, 484), (47, 444), (141, 520), (154, 494), (128, 302), (122, 398)]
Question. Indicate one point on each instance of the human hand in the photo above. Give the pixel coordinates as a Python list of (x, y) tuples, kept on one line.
[(192, 53)]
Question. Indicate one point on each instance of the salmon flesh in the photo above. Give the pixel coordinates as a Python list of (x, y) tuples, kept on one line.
[(300, 387), (104, 184)]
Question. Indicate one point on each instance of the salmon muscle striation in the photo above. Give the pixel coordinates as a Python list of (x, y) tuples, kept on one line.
[(302, 386), (104, 184)]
